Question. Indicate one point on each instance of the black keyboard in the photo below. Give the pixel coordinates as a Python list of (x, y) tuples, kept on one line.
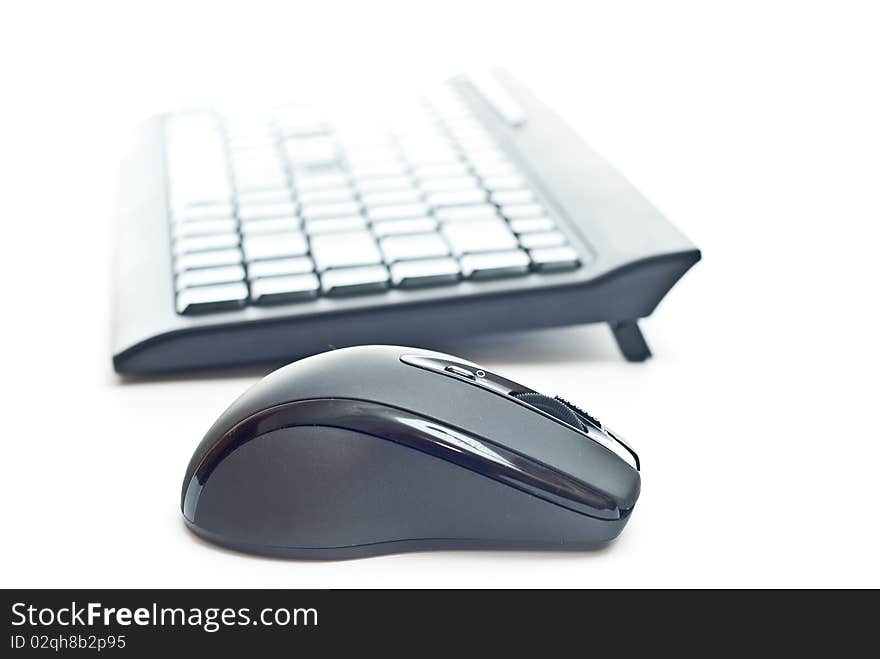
[(265, 236)]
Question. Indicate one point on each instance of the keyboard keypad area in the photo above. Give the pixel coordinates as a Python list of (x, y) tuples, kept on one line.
[(295, 204)]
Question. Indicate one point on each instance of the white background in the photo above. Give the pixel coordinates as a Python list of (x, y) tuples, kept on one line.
[(752, 126)]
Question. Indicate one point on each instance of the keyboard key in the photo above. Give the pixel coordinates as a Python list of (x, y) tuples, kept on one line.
[(209, 276), (482, 236), (520, 211), (420, 246), (371, 149), (391, 198), (254, 175), (554, 258), (402, 227), (426, 272), (509, 197), (500, 183), (345, 250), (278, 267), (265, 198), (207, 259), (205, 243), (467, 213), (335, 225), (385, 183), (205, 228), (539, 240), (273, 225), (326, 196), (201, 212), (362, 156), (497, 264), (284, 289), (418, 129), (257, 157), (245, 185), (347, 281), (319, 180), (492, 168), (421, 134), (460, 198), (274, 246), (268, 211), (441, 171), (318, 211), (212, 298), (402, 212), (366, 136), (256, 163), (532, 225), (262, 157), (433, 158), (311, 151), (244, 141), (449, 184), (378, 169), (425, 151)]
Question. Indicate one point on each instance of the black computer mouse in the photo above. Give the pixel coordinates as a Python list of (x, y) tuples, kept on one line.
[(381, 449)]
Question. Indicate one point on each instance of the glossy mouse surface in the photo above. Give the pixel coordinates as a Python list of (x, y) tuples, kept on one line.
[(381, 449)]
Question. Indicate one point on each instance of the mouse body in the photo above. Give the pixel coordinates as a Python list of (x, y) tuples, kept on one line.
[(382, 449)]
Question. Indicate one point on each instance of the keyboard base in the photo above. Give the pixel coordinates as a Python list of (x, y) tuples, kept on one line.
[(631, 341), (618, 298)]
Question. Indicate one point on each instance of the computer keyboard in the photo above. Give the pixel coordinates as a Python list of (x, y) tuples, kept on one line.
[(463, 208), (296, 204)]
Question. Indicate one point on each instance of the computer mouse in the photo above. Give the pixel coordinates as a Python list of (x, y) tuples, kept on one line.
[(383, 449)]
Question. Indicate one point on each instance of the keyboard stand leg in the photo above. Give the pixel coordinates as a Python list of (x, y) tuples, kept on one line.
[(630, 340)]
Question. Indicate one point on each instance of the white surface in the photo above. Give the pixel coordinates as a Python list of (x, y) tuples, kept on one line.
[(753, 126)]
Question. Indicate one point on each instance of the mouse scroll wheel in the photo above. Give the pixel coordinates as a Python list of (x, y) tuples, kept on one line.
[(552, 406)]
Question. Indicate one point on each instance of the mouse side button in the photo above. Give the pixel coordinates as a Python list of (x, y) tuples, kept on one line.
[(464, 370), (461, 372)]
